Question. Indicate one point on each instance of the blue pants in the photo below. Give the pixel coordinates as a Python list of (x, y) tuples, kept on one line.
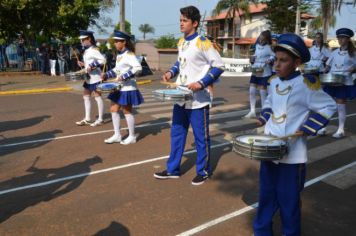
[(199, 118), (280, 187)]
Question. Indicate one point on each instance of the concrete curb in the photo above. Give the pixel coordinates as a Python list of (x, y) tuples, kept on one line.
[(32, 91), (146, 81)]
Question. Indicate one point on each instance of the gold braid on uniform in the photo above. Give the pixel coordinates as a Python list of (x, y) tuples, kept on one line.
[(312, 82), (203, 43), (271, 78), (180, 42)]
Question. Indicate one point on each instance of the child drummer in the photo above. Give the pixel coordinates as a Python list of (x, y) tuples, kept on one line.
[(295, 105)]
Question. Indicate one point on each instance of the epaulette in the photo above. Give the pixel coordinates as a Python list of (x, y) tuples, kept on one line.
[(203, 43), (130, 53), (180, 41), (271, 78), (96, 48), (312, 82)]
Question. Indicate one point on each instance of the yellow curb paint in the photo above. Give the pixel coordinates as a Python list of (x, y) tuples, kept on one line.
[(30, 91), (141, 82)]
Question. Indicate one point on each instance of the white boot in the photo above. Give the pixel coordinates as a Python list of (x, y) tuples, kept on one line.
[(113, 139), (339, 134), (322, 132), (251, 114), (129, 140)]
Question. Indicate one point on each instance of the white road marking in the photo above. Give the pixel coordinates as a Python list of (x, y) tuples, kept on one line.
[(255, 205)]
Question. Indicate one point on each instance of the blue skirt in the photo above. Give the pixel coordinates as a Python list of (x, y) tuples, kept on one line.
[(345, 92), (263, 81), (125, 98), (90, 87)]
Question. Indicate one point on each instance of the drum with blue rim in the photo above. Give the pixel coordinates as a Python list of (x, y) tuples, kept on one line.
[(106, 88), (172, 95)]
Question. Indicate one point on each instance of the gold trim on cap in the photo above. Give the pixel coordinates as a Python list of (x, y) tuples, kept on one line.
[(289, 48)]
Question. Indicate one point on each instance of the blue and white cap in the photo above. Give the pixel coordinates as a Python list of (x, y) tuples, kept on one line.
[(121, 35), (344, 32), (294, 44), (85, 34)]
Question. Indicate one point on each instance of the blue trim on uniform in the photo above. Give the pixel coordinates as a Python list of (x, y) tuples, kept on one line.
[(265, 115), (191, 37), (125, 98), (263, 81), (110, 74), (90, 87), (122, 52), (291, 76), (211, 76), (175, 69), (345, 92), (314, 123), (94, 64), (199, 119), (127, 75), (280, 187)]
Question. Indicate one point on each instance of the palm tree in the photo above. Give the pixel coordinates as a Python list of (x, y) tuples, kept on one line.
[(232, 7), (328, 9), (146, 28)]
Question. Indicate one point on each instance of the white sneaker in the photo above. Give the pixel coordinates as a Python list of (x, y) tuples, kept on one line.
[(97, 123), (251, 114), (113, 139), (322, 132), (83, 122), (339, 134), (129, 140)]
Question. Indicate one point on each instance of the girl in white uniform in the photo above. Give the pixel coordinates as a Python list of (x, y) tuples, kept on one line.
[(342, 61), (127, 66), (263, 57), (319, 53), (92, 61)]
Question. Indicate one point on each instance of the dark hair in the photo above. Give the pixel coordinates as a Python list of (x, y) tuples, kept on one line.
[(351, 48), (192, 13), (92, 39), (129, 45), (280, 49), (322, 44), (267, 35)]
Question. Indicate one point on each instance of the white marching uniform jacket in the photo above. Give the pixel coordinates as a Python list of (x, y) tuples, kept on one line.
[(93, 58), (317, 56), (296, 104), (198, 61), (126, 66), (340, 62), (263, 53)]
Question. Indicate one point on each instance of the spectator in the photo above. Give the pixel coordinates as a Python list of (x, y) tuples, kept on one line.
[(43, 56), (52, 59), (73, 58), (21, 54), (62, 58)]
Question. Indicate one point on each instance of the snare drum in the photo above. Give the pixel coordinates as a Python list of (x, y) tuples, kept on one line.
[(332, 79), (73, 76), (310, 70), (260, 147), (106, 88), (172, 95), (257, 71)]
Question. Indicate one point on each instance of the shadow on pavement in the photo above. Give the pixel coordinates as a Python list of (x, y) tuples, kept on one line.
[(15, 202), (45, 137), (114, 228), (20, 124)]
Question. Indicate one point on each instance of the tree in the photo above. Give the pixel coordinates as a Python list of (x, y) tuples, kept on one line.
[(328, 9), (146, 28), (167, 41), (49, 18), (281, 14), (127, 27)]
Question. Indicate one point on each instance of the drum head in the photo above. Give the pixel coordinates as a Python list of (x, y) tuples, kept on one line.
[(108, 86), (171, 92), (260, 140)]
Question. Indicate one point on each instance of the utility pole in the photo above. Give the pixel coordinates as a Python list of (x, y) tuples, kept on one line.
[(122, 15), (297, 20)]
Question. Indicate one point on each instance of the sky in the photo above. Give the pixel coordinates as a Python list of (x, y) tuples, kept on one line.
[(163, 15)]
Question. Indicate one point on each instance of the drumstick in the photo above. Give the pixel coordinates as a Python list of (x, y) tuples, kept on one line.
[(170, 84)]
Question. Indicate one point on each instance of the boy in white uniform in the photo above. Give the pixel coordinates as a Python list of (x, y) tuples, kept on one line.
[(295, 105)]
